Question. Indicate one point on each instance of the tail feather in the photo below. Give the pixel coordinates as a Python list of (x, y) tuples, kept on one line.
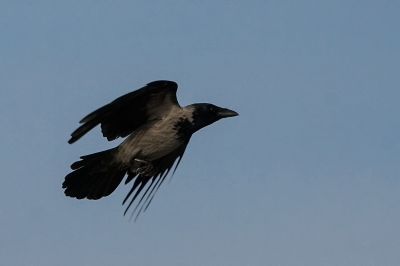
[(95, 176)]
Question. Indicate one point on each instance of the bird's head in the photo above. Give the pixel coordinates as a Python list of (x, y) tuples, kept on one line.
[(205, 114)]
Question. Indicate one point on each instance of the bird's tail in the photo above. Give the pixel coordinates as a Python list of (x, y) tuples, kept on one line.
[(94, 176)]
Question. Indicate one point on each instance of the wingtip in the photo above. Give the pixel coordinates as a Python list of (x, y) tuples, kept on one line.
[(163, 83)]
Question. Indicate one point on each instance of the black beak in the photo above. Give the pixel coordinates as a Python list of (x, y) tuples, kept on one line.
[(224, 112)]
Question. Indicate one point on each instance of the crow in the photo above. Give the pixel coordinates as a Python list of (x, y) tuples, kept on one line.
[(158, 131)]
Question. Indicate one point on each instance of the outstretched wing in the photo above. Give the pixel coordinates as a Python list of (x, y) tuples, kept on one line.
[(128, 112), (151, 181)]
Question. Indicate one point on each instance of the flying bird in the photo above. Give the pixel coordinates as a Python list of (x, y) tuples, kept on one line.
[(158, 130)]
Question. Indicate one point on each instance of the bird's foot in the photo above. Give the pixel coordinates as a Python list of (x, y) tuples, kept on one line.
[(143, 167)]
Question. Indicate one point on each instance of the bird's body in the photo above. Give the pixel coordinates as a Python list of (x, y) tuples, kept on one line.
[(155, 140), (158, 131)]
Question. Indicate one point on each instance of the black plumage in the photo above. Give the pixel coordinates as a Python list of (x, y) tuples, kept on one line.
[(158, 131)]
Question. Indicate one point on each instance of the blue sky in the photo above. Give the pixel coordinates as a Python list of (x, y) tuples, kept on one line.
[(308, 174)]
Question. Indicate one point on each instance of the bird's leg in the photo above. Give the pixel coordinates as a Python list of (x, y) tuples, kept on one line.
[(142, 167)]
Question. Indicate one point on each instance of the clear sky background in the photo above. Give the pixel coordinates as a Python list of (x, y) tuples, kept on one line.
[(308, 174)]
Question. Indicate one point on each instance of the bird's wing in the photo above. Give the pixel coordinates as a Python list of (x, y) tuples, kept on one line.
[(151, 182), (128, 112)]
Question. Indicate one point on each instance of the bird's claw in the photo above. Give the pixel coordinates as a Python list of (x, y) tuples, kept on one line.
[(143, 167)]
